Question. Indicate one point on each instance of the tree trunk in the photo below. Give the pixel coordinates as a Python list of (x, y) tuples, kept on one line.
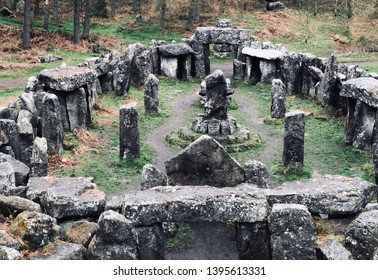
[(113, 8), (37, 10), (76, 38), (163, 9), (191, 15), (46, 18), (26, 28), (87, 19), (336, 13), (13, 5), (137, 6), (55, 11), (315, 7), (350, 6)]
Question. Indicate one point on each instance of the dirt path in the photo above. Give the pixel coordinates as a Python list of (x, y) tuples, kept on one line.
[(16, 83)]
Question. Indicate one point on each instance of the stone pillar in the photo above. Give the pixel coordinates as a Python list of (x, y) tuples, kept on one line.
[(129, 132), (253, 241), (52, 128), (278, 108), (293, 148), (364, 125), (39, 158), (292, 233), (151, 94), (151, 245)]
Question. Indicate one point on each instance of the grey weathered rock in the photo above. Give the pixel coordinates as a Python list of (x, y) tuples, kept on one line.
[(39, 158), (327, 86), (129, 132), (77, 108), (278, 107), (363, 89), (253, 241), (375, 255), (79, 232), (224, 23), (292, 233), (256, 173), (198, 58), (114, 203), (329, 194), (290, 71), (31, 84), (8, 241), (333, 250), (14, 205), (35, 229), (152, 177), (52, 128), (363, 130), (151, 94), (47, 58), (141, 68), (245, 204), (67, 197), (293, 150), (21, 170), (7, 179), (116, 238), (361, 236), (66, 78), (266, 54), (175, 49), (371, 206), (216, 96), (169, 66), (272, 6), (151, 242), (7, 253), (204, 162), (218, 35), (62, 251)]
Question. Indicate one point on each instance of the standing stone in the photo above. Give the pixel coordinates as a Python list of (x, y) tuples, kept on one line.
[(253, 241), (142, 67), (77, 108), (364, 117), (256, 173), (129, 132), (39, 158), (116, 238), (293, 151), (7, 178), (292, 233), (216, 96), (151, 242), (326, 91), (278, 108), (151, 94), (52, 128), (152, 177)]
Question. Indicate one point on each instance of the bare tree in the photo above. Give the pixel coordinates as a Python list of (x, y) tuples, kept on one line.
[(76, 38), (37, 9), (26, 28), (350, 8), (163, 9), (192, 14), (113, 8), (87, 19), (137, 7), (46, 17), (55, 11)]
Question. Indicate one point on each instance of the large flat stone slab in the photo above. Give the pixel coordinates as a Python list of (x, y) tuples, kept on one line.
[(175, 49), (329, 194), (67, 197), (263, 53), (67, 78), (196, 203), (363, 89), (217, 35)]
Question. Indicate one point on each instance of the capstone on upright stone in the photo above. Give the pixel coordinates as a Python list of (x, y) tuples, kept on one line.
[(278, 107), (151, 94), (292, 233), (293, 150), (129, 132)]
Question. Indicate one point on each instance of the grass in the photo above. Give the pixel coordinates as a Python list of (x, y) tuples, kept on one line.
[(181, 241)]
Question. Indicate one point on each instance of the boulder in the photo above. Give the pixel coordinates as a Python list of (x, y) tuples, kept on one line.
[(333, 250), (7, 179), (31, 84), (292, 233), (190, 203), (66, 78), (224, 23), (273, 6), (204, 162), (219, 35), (7, 240), (361, 236), (142, 67), (328, 194), (39, 158), (61, 251), (14, 205), (79, 232), (152, 177), (151, 242), (256, 173), (47, 58), (7, 253), (116, 238), (21, 170), (67, 197), (35, 229)]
